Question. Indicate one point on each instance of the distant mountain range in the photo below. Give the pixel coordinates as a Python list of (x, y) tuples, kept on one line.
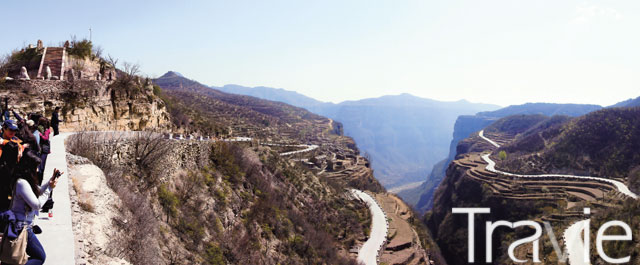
[(404, 135), (632, 102), (275, 94)]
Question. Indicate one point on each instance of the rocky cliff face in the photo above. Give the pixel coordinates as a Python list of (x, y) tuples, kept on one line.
[(89, 104)]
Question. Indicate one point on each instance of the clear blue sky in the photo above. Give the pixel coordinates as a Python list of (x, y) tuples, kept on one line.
[(501, 52)]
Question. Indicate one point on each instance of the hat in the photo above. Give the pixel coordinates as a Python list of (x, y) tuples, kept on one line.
[(10, 124), (30, 123)]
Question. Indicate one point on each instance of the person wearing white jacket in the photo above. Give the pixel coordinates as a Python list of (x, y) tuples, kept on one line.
[(27, 200)]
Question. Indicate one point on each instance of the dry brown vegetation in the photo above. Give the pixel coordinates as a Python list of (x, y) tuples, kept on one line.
[(248, 206), (137, 241)]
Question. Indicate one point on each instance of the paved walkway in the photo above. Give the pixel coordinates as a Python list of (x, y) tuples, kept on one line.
[(57, 232), (369, 252)]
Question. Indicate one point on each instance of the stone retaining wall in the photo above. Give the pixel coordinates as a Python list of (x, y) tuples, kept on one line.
[(180, 156)]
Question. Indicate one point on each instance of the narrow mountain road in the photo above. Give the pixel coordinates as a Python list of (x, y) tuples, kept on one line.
[(369, 251), (574, 244), (307, 148), (572, 235), (492, 168), (481, 134), (57, 232)]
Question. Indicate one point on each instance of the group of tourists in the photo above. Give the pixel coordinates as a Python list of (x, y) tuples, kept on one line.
[(24, 148)]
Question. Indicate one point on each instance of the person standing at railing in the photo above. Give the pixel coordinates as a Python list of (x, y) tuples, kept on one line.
[(45, 145), (55, 121)]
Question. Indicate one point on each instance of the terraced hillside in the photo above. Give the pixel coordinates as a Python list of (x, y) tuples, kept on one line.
[(604, 143), (467, 125), (198, 109), (404, 245), (337, 162), (514, 194)]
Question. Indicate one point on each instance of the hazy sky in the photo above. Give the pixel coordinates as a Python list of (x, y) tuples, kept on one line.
[(501, 52)]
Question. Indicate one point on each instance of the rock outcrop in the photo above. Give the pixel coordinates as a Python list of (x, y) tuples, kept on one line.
[(89, 104)]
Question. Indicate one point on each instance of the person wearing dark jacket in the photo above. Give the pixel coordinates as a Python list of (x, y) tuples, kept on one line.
[(45, 144), (5, 110), (55, 121), (10, 151)]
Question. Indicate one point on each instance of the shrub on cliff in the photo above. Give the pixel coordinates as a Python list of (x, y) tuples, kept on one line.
[(169, 201), (4, 60), (81, 49), (10, 64)]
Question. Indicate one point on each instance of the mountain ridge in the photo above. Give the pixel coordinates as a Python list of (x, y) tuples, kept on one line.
[(403, 134)]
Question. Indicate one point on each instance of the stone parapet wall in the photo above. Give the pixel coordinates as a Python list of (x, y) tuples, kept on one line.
[(181, 154)]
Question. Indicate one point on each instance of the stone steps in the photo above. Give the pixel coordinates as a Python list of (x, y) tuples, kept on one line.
[(54, 58)]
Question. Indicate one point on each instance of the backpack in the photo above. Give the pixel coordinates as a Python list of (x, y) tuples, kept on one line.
[(45, 146)]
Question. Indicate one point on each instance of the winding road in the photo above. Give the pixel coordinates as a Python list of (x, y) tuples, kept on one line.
[(492, 168), (368, 253), (573, 235), (307, 148), (481, 134), (574, 244)]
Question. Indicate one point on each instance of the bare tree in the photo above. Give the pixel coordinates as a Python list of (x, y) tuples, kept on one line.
[(112, 61), (97, 52), (150, 151), (131, 69)]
